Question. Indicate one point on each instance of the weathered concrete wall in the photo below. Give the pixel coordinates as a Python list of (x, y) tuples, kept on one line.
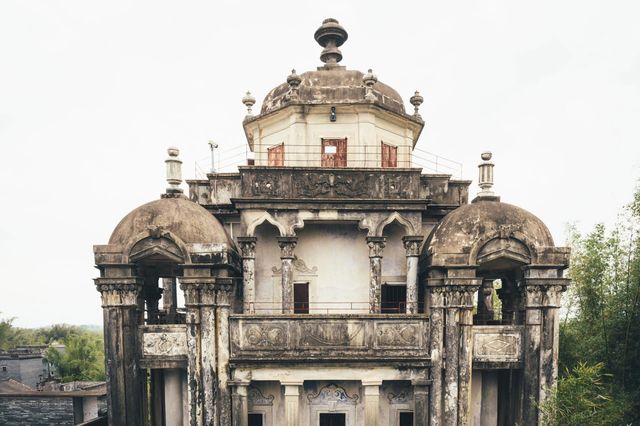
[(267, 283), (301, 134), (338, 254), (32, 411)]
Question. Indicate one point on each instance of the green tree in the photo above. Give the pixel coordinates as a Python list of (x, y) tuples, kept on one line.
[(599, 337), (82, 358)]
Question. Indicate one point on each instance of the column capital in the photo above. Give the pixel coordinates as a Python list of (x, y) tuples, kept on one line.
[(460, 296), (543, 292), (247, 246), (287, 244), (119, 291), (412, 244), (376, 245)]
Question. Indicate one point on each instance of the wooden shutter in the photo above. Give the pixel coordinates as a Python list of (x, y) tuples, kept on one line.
[(275, 155), (334, 153), (389, 155)]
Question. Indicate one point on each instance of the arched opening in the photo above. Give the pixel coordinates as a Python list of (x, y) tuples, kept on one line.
[(332, 261), (268, 284)]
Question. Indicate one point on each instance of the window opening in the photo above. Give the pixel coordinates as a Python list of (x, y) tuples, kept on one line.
[(333, 419), (256, 419), (394, 299), (275, 155), (406, 418), (389, 155), (334, 153), (301, 298)]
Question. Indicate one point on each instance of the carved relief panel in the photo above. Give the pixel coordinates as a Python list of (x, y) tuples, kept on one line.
[(497, 343)]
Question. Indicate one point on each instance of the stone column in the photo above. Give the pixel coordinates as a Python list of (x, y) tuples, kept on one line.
[(194, 354), (208, 344), (287, 244), (371, 402), (465, 359), (169, 299), (240, 404), (412, 246), (376, 245), (224, 287), (121, 317), (291, 403), (452, 354), (421, 404), (152, 296), (173, 397), (485, 302), (248, 249), (541, 300), (436, 309)]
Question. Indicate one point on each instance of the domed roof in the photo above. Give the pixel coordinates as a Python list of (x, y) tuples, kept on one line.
[(183, 218), (333, 86), (470, 224), (331, 83)]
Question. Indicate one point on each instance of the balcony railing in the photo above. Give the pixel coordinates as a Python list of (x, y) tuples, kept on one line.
[(327, 308), (360, 337)]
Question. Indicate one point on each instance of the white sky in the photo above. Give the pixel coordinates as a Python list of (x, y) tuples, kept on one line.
[(93, 92)]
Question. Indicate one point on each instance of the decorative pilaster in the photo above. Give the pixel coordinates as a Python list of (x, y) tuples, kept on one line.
[(291, 403), (376, 246), (120, 298), (412, 247), (248, 249), (371, 402), (240, 403), (436, 343), (287, 245), (465, 359), (421, 403), (224, 287), (194, 352), (208, 335)]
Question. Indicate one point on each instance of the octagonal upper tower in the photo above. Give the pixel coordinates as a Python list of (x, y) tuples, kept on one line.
[(333, 117)]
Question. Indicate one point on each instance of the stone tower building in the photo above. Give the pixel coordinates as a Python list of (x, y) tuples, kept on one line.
[(330, 282)]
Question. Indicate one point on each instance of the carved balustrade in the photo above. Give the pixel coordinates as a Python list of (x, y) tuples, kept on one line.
[(329, 337)]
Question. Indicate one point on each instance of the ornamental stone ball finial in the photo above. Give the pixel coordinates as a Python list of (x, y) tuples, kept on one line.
[(293, 80), (331, 35), (369, 79), (174, 171), (485, 177), (248, 100), (416, 100)]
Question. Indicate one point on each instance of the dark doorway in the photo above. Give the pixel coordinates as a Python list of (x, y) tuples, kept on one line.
[(406, 419), (255, 419), (394, 299), (333, 419), (301, 298)]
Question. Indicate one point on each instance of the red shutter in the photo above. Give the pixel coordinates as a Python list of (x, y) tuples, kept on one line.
[(334, 153), (275, 155), (389, 155)]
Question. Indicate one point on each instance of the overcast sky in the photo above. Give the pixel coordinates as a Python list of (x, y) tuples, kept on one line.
[(93, 92)]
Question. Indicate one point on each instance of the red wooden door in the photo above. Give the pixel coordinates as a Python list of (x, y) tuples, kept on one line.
[(334, 153), (389, 155), (275, 156)]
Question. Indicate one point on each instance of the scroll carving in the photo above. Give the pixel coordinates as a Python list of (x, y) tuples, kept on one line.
[(299, 265), (256, 397), (266, 336), (164, 344), (328, 334), (397, 335), (332, 394)]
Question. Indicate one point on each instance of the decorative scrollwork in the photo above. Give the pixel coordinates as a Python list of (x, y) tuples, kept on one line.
[(397, 335), (332, 393), (267, 336), (256, 397)]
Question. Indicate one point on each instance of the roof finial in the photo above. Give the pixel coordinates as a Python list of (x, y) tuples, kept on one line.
[(369, 80), (294, 81), (416, 100), (331, 35), (485, 179), (248, 100), (174, 172)]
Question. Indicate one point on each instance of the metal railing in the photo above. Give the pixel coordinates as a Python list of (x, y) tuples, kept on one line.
[(366, 156), (327, 308)]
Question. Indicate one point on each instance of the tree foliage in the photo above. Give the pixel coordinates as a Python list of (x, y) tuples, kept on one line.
[(599, 337), (81, 359)]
